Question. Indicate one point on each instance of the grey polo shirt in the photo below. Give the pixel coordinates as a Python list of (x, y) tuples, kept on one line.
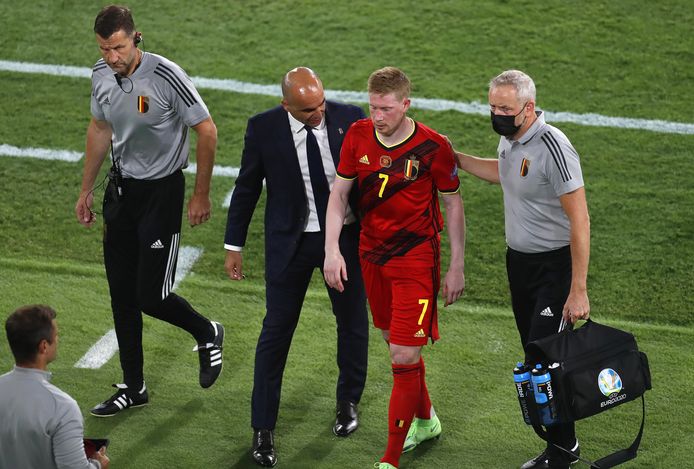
[(534, 172), (150, 113), (40, 426)]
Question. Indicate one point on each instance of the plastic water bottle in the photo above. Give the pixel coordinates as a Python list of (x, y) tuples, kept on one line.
[(521, 378), (544, 394)]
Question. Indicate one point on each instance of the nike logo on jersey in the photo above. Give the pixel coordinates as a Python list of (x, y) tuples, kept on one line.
[(547, 312), (157, 245)]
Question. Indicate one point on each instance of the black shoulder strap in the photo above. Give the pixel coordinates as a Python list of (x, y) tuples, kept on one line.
[(613, 459), (623, 455)]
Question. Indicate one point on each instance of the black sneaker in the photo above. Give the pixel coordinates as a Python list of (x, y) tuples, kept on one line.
[(121, 400), (541, 461), (211, 356)]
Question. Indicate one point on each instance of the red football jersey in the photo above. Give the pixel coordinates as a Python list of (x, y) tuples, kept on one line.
[(398, 199)]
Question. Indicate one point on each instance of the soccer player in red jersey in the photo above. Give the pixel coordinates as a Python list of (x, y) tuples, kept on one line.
[(401, 166)]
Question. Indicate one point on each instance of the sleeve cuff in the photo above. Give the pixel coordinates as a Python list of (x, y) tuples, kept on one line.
[(231, 247), (450, 191)]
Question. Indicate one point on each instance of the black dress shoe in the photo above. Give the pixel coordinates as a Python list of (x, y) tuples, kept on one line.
[(263, 450), (346, 420)]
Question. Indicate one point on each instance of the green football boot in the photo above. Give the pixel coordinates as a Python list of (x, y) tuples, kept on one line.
[(383, 465), (422, 430)]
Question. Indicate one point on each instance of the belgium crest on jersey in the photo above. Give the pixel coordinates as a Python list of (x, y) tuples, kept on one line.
[(525, 167), (142, 104), (411, 169)]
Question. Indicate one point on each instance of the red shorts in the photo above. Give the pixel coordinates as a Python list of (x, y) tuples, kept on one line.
[(402, 295)]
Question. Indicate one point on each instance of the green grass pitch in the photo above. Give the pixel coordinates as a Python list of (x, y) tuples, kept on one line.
[(628, 59)]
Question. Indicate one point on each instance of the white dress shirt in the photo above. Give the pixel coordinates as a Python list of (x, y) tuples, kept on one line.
[(299, 136), (321, 134)]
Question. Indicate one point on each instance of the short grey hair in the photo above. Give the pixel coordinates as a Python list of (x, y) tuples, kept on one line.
[(523, 84)]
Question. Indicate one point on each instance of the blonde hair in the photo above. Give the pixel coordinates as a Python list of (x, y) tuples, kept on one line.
[(390, 80)]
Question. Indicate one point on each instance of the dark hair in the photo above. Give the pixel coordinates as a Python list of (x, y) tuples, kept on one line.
[(26, 328), (113, 18)]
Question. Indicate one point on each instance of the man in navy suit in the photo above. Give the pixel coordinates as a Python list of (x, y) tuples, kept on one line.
[(295, 148)]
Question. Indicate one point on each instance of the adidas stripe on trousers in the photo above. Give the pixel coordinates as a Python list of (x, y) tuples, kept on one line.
[(141, 240)]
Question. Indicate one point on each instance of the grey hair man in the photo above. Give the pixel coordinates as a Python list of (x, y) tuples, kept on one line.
[(547, 226)]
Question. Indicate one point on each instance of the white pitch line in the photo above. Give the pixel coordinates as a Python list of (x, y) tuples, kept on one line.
[(45, 69), (475, 108), (107, 346), (226, 171), (99, 353), (74, 156), (40, 153), (187, 257)]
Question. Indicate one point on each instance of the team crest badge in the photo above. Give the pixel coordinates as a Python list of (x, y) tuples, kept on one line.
[(411, 169), (525, 167), (142, 104), (385, 161)]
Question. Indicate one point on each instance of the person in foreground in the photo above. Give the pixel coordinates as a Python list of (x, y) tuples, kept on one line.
[(41, 426), (295, 148), (143, 106), (401, 167), (547, 227)]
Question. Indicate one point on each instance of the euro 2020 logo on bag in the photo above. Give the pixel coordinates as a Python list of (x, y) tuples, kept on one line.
[(609, 382)]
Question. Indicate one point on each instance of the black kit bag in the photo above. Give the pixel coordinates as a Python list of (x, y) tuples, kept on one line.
[(599, 367)]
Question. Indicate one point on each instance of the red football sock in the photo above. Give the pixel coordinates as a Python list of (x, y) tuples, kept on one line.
[(424, 409), (404, 400)]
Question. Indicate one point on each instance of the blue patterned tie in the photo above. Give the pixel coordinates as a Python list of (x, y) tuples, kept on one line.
[(319, 183)]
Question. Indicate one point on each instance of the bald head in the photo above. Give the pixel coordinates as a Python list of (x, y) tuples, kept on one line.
[(300, 81), (303, 97)]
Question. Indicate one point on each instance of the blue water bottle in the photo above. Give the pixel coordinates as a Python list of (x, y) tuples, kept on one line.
[(521, 378), (544, 395)]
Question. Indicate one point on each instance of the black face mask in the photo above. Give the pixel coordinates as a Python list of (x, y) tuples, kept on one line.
[(505, 125)]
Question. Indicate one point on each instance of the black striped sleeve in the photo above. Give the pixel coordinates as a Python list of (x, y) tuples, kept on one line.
[(100, 65), (176, 83), (557, 155)]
